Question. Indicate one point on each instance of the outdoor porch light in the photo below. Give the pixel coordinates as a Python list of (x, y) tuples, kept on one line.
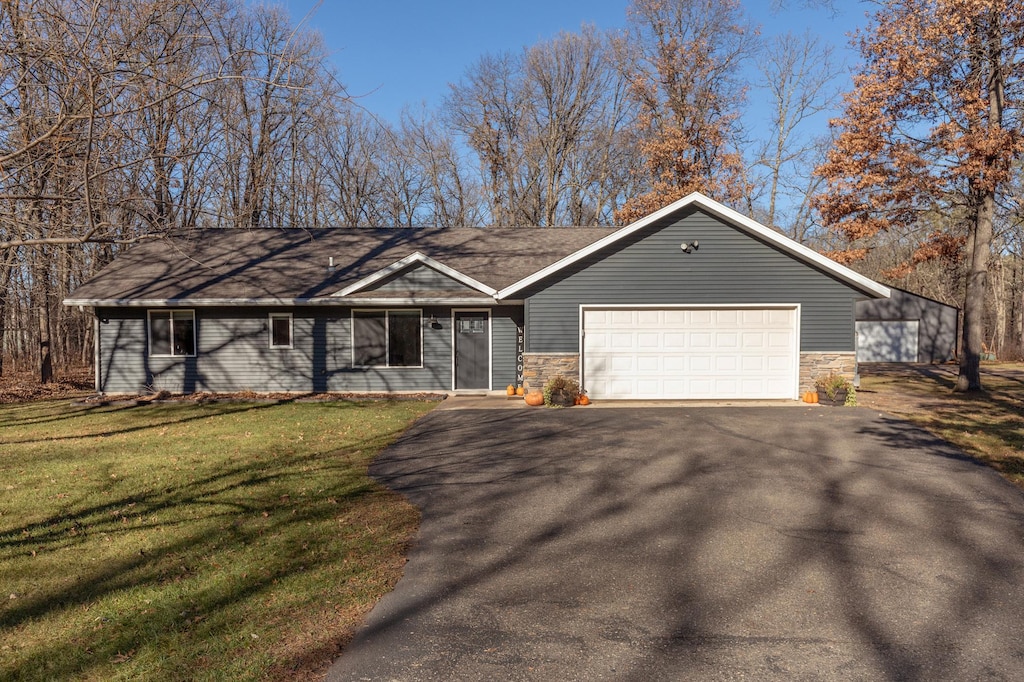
[(690, 248)]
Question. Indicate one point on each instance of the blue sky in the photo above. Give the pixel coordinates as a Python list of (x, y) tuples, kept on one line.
[(399, 53)]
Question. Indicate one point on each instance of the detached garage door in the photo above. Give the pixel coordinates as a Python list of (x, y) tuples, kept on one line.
[(690, 353)]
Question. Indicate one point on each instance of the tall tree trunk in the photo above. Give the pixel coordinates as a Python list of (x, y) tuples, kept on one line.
[(45, 341), (974, 298)]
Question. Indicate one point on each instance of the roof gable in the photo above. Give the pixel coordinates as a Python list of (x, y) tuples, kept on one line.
[(743, 223), (410, 265)]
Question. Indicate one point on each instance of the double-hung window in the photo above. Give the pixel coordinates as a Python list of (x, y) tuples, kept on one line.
[(172, 332), (280, 330), (387, 338)]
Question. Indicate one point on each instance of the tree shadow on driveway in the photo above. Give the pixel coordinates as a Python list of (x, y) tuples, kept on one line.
[(696, 543)]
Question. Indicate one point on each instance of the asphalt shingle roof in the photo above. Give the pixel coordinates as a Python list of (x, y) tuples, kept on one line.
[(288, 264)]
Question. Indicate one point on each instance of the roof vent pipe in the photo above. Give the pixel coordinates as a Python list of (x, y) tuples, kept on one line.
[(330, 264)]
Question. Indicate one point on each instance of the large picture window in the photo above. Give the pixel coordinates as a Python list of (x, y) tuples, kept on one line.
[(387, 338), (172, 332)]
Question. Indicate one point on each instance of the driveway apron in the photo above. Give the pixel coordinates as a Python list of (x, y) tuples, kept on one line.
[(696, 543)]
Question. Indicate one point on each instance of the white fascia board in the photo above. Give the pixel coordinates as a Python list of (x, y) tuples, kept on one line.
[(416, 257), (799, 251)]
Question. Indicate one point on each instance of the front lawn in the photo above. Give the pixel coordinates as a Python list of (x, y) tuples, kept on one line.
[(989, 426), (192, 542)]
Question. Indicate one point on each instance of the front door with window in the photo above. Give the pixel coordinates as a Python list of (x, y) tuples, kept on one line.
[(472, 350)]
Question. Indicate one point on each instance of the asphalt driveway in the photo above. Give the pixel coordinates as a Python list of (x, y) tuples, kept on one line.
[(696, 543)]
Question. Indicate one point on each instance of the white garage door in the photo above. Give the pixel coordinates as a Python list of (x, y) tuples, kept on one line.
[(887, 341), (690, 354)]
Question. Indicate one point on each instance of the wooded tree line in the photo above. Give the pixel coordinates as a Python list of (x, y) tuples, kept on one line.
[(122, 121)]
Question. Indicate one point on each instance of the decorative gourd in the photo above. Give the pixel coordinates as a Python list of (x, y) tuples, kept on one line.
[(510, 390), (534, 399), (584, 399), (520, 390), (811, 397)]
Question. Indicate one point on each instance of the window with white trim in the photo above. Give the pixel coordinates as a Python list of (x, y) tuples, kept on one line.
[(172, 333), (280, 330), (387, 338)]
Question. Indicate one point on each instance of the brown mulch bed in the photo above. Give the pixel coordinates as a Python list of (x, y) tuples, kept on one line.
[(251, 396)]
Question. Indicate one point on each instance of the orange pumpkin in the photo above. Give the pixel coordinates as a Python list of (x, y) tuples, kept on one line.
[(534, 398), (510, 390), (584, 399), (520, 390), (811, 397)]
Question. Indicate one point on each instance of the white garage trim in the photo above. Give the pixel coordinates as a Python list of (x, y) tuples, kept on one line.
[(717, 373)]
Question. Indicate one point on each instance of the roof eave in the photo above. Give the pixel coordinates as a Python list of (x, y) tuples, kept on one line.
[(277, 302)]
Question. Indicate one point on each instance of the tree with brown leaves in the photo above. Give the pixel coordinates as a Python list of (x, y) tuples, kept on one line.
[(682, 59), (933, 123)]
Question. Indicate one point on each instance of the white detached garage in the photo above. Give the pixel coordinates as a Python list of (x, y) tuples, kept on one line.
[(691, 352)]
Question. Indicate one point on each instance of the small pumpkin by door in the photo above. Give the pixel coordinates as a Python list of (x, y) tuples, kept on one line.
[(584, 399), (520, 390), (510, 390)]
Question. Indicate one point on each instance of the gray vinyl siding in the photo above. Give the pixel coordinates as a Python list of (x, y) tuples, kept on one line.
[(234, 354), (504, 323), (938, 323), (730, 267), (420, 278)]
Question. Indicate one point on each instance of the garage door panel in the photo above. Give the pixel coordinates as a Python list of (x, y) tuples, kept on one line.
[(690, 353), (674, 340), (727, 340), (754, 340), (622, 318), (674, 363), (726, 363), (622, 363), (648, 340), (754, 363), (647, 363), (698, 340), (676, 318)]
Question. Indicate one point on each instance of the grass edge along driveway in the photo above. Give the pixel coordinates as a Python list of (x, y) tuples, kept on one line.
[(987, 425), (184, 541)]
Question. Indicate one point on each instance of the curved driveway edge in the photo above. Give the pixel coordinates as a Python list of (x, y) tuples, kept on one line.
[(696, 543)]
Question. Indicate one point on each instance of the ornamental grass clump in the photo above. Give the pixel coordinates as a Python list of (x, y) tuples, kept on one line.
[(561, 391), (832, 385)]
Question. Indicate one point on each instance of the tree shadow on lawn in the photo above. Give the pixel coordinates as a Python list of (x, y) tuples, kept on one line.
[(188, 536), (146, 420), (697, 540)]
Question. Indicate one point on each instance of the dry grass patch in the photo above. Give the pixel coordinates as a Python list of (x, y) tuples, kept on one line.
[(193, 542), (989, 426)]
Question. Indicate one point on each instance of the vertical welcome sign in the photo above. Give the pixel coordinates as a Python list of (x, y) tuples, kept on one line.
[(520, 349)]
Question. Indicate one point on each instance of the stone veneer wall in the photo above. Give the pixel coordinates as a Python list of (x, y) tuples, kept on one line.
[(813, 365), (539, 367)]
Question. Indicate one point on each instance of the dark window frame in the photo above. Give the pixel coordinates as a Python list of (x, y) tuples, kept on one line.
[(271, 318), (172, 334), (388, 352)]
